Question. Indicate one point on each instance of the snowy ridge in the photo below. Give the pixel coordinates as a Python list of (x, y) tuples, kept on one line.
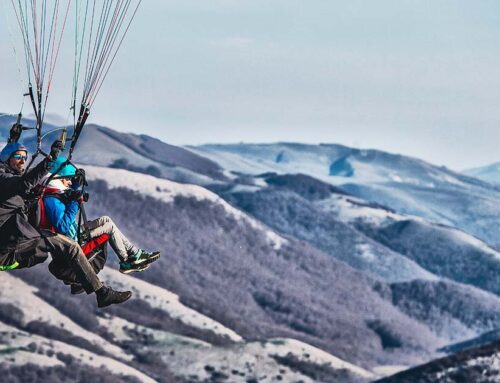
[(474, 242), (388, 370), (350, 209), (16, 292), (19, 344), (407, 185), (306, 352), (163, 299), (368, 166), (166, 191), (389, 265), (121, 330), (244, 361)]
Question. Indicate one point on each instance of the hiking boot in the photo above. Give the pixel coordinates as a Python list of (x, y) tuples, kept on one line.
[(107, 296), (143, 257), (127, 267), (76, 289)]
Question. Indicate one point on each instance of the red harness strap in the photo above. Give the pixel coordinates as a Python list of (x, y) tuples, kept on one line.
[(44, 220), (93, 244)]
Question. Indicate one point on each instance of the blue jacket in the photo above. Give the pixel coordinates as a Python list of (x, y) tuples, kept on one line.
[(62, 216)]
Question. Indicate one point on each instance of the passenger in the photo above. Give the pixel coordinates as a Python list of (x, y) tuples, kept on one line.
[(61, 205)]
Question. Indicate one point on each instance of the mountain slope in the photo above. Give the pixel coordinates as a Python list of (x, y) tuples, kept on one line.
[(211, 245), (367, 236), (407, 185), (489, 173), (20, 348), (441, 250), (480, 365), (24, 341), (295, 216), (267, 297)]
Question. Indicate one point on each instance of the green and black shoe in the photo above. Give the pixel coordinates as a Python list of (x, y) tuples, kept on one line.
[(144, 257), (127, 267)]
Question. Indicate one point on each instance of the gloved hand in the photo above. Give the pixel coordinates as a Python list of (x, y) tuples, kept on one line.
[(80, 177), (15, 132), (55, 149), (76, 195)]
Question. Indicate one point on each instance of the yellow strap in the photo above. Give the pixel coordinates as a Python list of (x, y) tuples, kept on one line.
[(9, 267)]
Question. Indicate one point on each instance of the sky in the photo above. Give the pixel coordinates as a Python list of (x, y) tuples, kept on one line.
[(415, 77)]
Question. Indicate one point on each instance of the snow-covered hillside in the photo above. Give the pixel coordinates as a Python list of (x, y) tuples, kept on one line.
[(478, 365), (160, 298), (187, 357), (20, 348), (375, 239), (405, 184), (17, 293)]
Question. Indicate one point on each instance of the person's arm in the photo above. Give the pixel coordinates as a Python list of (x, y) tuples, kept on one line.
[(33, 176), (61, 216)]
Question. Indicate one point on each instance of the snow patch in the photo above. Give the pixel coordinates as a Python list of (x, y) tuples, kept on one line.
[(254, 360), (117, 327), (123, 331), (365, 251), (245, 189), (21, 357), (351, 209), (473, 241), (308, 353), (446, 178), (382, 371), (395, 177)]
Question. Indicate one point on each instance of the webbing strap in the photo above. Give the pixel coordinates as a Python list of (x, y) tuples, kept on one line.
[(9, 267)]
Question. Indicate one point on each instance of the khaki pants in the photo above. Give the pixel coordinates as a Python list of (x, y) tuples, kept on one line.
[(65, 252), (118, 242)]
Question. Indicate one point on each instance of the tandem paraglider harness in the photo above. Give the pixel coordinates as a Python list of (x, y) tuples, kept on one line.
[(94, 248)]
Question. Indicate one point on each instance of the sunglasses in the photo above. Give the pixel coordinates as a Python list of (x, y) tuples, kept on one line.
[(20, 157)]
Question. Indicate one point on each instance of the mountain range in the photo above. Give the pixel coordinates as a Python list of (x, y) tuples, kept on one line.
[(281, 262)]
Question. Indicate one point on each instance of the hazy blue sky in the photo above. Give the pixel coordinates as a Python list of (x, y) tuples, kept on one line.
[(415, 77)]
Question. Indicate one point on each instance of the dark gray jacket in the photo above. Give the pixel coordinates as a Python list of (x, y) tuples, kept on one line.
[(15, 228)]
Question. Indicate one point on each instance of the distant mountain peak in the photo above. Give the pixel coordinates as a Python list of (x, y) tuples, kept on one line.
[(341, 168)]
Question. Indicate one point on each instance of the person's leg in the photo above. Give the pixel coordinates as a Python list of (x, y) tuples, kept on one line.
[(120, 244), (67, 253), (132, 259), (68, 276)]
